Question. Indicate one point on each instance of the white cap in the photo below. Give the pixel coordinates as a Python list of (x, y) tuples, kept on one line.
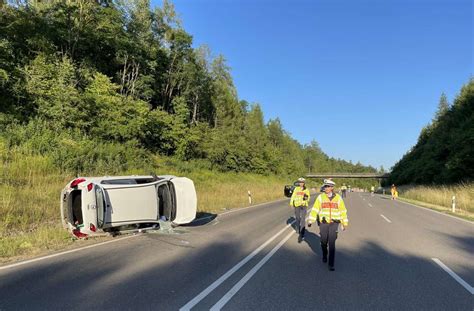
[(301, 179), (329, 182)]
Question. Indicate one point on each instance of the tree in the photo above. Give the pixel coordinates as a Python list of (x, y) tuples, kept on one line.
[(443, 153), (119, 75), (443, 107), (114, 116), (51, 86)]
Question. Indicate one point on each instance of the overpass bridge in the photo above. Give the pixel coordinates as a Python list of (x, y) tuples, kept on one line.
[(348, 175)]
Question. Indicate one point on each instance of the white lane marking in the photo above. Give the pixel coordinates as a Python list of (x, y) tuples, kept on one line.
[(370, 205), (388, 220), (225, 299), (63, 253), (437, 212), (225, 276), (244, 208), (454, 275)]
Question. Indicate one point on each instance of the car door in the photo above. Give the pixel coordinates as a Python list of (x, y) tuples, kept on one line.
[(128, 204), (186, 200)]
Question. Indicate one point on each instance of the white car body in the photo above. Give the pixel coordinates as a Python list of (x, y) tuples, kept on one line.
[(93, 205)]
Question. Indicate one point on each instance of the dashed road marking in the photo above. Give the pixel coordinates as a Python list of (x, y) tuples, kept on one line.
[(388, 220), (458, 279)]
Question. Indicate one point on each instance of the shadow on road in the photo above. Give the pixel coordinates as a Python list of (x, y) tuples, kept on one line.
[(202, 219), (130, 275), (292, 221), (313, 242)]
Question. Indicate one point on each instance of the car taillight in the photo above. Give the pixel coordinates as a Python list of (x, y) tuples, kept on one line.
[(77, 181), (90, 186), (92, 227), (79, 234)]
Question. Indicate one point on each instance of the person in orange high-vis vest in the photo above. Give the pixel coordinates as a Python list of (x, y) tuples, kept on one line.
[(300, 201), (394, 192), (329, 211)]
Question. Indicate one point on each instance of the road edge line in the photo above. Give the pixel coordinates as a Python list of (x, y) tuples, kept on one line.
[(247, 207), (435, 211), (62, 253)]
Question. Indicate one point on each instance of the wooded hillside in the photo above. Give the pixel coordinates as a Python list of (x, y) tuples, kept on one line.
[(97, 85), (444, 153)]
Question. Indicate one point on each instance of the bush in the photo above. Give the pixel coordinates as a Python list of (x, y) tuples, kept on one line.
[(73, 152)]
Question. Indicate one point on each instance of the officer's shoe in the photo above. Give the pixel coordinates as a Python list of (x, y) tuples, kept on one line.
[(300, 239), (331, 268)]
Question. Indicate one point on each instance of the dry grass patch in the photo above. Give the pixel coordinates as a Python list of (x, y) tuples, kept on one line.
[(30, 187), (440, 197)]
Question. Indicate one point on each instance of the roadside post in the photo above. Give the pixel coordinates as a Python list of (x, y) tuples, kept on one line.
[(250, 197), (453, 201)]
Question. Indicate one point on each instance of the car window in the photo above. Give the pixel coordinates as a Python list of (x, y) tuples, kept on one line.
[(127, 181), (145, 180), (99, 194)]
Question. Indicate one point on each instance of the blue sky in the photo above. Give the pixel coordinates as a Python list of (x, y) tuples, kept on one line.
[(360, 77)]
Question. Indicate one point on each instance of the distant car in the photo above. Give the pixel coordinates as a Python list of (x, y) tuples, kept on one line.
[(288, 191), (94, 205)]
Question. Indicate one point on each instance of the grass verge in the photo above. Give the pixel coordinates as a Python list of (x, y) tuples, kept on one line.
[(30, 186), (438, 208), (439, 198)]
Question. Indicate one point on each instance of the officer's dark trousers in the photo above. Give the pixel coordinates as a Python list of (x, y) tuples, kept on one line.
[(300, 215), (328, 234)]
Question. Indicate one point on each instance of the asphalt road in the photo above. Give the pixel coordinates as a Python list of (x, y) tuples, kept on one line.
[(390, 258)]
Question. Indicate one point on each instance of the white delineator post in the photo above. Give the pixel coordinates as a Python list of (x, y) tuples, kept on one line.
[(453, 200), (250, 197)]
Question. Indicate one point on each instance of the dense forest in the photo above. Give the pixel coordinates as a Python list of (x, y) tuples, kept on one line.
[(444, 153), (97, 85)]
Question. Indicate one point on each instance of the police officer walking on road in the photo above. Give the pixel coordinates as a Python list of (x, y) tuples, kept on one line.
[(300, 201), (329, 211), (343, 190)]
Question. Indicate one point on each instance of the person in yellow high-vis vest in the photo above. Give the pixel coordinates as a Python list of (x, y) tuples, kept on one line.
[(394, 192), (300, 201), (329, 211), (343, 190)]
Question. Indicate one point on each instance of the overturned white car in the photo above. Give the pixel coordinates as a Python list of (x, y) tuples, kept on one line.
[(94, 205)]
